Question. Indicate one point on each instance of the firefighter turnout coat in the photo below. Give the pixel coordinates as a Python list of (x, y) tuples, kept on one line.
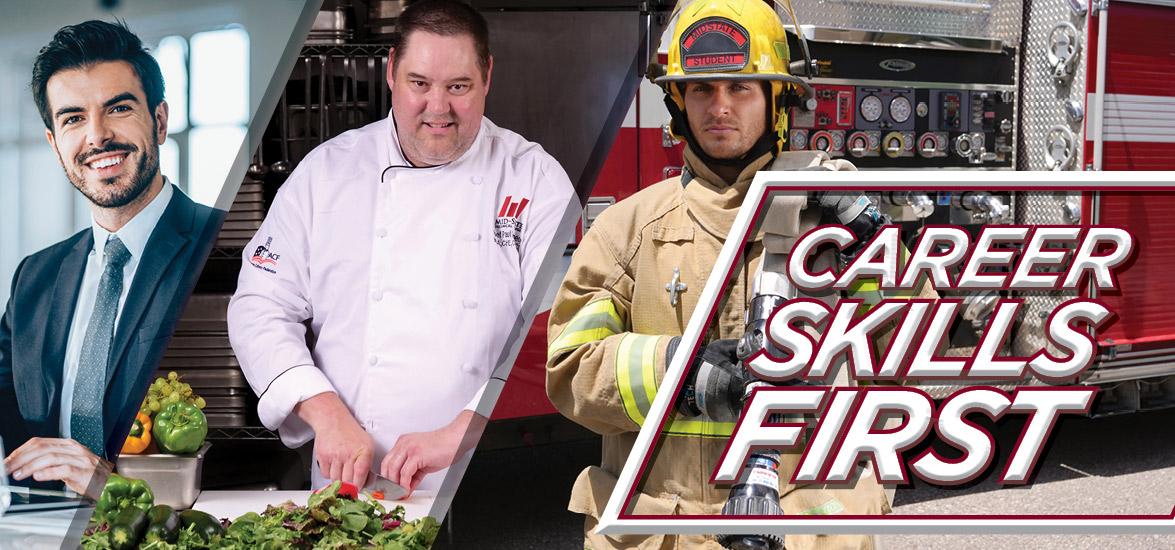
[(609, 329)]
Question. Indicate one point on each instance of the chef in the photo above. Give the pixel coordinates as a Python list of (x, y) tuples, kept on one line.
[(374, 302)]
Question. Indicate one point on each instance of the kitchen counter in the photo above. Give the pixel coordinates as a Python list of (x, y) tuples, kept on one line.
[(39, 529), (232, 504)]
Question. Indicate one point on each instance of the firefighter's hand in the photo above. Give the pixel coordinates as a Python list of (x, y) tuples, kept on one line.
[(342, 448), (56, 459), (416, 455), (716, 383)]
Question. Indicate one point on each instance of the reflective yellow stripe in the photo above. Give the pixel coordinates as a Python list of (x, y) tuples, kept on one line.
[(827, 509), (870, 291), (636, 371), (624, 384), (596, 321), (635, 374), (648, 359), (700, 428)]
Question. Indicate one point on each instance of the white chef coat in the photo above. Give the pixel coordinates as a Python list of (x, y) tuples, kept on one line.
[(409, 287)]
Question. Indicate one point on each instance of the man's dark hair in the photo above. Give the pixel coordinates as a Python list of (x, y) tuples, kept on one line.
[(85, 44), (446, 18)]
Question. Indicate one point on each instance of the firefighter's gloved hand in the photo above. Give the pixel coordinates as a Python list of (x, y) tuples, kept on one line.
[(715, 384)]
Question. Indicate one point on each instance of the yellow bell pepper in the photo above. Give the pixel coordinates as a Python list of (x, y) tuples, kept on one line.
[(140, 436)]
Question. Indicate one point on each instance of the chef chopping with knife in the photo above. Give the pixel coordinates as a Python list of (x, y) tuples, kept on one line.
[(376, 298)]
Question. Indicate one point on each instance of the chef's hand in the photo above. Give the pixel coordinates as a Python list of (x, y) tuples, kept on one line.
[(56, 459), (416, 455), (341, 446)]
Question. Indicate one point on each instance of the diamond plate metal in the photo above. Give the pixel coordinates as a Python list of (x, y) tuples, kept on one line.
[(1007, 21), (999, 19), (941, 389), (1042, 102), (1039, 208)]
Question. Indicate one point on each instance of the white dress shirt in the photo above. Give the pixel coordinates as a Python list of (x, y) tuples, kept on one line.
[(134, 235), (409, 280)]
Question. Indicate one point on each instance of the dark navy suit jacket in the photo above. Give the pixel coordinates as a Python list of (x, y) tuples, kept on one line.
[(36, 323)]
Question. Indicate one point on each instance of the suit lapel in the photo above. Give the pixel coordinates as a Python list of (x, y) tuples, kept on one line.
[(171, 236), (61, 312)]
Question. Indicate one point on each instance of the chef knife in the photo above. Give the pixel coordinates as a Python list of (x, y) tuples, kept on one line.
[(390, 489)]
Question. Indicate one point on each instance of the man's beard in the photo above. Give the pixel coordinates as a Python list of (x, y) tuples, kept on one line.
[(141, 178)]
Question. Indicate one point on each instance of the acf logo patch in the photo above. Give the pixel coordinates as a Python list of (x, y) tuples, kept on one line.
[(508, 226), (715, 44), (264, 258)]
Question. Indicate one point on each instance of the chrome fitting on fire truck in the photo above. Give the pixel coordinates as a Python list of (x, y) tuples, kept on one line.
[(910, 205), (985, 207)]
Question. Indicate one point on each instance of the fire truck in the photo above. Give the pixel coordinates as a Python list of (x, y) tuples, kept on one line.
[(992, 85), (967, 85)]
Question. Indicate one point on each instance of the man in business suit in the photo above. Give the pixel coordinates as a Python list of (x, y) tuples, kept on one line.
[(88, 317)]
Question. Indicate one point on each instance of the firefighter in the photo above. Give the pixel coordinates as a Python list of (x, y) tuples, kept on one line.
[(635, 278)]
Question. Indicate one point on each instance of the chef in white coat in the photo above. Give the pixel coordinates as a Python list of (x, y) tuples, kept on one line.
[(375, 300)]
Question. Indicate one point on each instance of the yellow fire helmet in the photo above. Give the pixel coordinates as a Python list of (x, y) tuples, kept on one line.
[(728, 40)]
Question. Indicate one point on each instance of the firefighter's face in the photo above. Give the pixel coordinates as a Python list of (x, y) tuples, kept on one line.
[(438, 96), (105, 136), (727, 117)]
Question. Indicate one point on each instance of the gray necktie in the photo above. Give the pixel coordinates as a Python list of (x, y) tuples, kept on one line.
[(89, 389)]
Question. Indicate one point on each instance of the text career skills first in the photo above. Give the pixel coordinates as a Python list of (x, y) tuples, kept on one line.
[(807, 336)]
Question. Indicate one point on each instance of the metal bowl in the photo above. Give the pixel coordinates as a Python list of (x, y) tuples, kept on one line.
[(175, 479)]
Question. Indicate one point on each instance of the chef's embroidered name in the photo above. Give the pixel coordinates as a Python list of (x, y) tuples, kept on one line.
[(808, 337), (508, 225)]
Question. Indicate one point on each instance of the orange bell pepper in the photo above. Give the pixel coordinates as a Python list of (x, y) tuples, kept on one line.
[(140, 436)]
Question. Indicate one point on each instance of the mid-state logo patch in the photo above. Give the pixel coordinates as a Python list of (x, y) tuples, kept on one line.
[(715, 44), (508, 225)]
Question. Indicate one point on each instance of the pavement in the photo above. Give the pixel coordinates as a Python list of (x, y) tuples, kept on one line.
[(1108, 466), (516, 498)]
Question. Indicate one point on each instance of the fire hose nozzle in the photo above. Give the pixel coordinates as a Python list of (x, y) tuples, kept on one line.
[(756, 495), (751, 506)]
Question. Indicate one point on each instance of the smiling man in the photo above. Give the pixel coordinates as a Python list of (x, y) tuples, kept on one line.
[(88, 316), (406, 248)]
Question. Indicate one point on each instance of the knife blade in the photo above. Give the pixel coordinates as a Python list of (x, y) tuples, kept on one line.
[(390, 489)]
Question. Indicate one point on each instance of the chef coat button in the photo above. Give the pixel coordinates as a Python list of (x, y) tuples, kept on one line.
[(372, 360), (377, 295), (469, 304), (473, 236), (381, 232), (476, 180), (469, 368)]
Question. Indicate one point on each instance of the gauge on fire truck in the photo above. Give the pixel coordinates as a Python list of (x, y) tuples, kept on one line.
[(897, 144), (863, 143), (871, 108), (899, 109), (798, 139), (829, 141), (932, 144)]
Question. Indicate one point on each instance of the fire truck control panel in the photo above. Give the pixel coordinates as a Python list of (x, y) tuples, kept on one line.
[(908, 127)]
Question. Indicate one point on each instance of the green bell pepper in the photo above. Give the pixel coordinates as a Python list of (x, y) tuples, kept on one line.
[(121, 493), (180, 428)]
